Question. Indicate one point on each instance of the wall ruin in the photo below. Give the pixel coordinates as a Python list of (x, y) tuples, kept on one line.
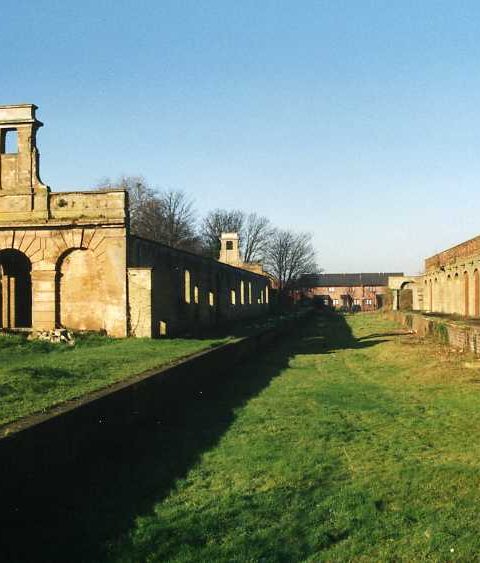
[(67, 259)]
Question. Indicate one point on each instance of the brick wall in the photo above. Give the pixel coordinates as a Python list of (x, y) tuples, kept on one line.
[(465, 338)]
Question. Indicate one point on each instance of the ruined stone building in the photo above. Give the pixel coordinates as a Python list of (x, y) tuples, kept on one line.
[(450, 284), (68, 259)]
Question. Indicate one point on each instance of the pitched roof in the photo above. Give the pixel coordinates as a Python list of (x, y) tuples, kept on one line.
[(347, 280)]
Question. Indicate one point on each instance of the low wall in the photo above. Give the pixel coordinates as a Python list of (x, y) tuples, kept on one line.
[(463, 337), (30, 449)]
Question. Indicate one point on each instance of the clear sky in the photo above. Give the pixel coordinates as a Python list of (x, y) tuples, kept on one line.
[(355, 120)]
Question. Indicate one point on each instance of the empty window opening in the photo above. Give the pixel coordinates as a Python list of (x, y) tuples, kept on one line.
[(195, 294), (162, 328), (242, 293), (211, 299), (187, 287), (10, 141), (229, 244), (267, 296), (233, 297), (249, 293)]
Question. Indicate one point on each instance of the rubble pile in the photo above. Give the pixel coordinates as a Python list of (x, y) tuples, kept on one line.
[(56, 336)]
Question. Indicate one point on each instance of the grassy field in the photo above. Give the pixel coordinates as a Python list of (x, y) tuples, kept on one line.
[(349, 442), (37, 375), (355, 445)]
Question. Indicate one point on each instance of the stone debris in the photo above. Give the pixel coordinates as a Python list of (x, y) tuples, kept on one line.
[(56, 336)]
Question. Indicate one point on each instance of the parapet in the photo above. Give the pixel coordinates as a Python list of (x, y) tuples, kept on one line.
[(25, 200), (464, 250)]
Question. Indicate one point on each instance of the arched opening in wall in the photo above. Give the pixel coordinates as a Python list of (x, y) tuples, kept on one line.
[(466, 294), (456, 301), (9, 141), (187, 288), (15, 289), (430, 296), (448, 295), (80, 292), (476, 297), (242, 293), (436, 300), (405, 296)]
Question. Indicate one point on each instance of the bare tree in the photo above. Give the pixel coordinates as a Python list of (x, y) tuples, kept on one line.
[(217, 222), (167, 217), (349, 297), (255, 237), (288, 256), (178, 220)]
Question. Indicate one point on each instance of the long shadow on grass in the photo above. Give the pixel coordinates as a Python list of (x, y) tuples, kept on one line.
[(73, 512)]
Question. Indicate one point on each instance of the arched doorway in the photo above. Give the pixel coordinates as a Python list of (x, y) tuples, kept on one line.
[(15, 289), (476, 287), (466, 294), (457, 296)]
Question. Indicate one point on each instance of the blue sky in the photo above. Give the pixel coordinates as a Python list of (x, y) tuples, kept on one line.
[(355, 120)]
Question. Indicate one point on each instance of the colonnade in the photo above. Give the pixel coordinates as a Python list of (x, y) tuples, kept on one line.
[(455, 291)]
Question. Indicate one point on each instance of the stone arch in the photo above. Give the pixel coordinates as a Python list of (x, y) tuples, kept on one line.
[(436, 296), (466, 294), (457, 298), (80, 290), (15, 289), (405, 295), (187, 286), (476, 292), (448, 307)]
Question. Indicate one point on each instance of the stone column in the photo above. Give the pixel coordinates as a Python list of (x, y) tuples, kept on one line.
[(43, 300), (8, 301), (396, 299)]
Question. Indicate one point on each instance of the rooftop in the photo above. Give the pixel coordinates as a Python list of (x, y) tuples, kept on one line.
[(346, 280)]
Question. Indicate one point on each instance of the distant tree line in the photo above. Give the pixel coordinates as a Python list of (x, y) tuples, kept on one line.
[(169, 217)]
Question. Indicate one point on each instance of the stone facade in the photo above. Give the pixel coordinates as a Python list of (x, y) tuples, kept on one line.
[(68, 260), (188, 291), (450, 284)]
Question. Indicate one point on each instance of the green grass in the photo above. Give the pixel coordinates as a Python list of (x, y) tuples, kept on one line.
[(36, 375), (339, 446)]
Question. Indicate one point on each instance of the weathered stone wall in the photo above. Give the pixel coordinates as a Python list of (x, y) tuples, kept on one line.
[(77, 275), (453, 288), (190, 291), (66, 259), (450, 285), (462, 337)]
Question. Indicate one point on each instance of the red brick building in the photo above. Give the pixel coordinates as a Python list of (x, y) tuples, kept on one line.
[(361, 292)]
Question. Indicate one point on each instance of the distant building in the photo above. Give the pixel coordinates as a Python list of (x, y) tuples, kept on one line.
[(361, 292)]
